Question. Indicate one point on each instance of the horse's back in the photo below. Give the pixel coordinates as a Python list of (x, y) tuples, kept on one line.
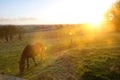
[(33, 50), (28, 51), (39, 46)]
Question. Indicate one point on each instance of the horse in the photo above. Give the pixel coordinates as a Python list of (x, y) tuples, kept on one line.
[(30, 51)]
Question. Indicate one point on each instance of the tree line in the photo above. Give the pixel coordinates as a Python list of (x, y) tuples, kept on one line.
[(113, 15), (10, 32)]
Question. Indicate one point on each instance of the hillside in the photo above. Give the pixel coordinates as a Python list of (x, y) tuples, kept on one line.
[(83, 64), (80, 57)]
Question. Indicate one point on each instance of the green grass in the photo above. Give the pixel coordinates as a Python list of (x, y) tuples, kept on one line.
[(86, 64), (96, 58)]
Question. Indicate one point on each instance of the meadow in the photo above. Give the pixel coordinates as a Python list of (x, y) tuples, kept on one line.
[(70, 54)]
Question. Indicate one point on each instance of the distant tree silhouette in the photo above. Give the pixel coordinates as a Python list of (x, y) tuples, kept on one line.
[(2, 32), (8, 32), (113, 15), (20, 33)]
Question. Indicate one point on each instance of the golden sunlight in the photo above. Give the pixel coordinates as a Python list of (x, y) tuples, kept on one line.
[(78, 11), (96, 10)]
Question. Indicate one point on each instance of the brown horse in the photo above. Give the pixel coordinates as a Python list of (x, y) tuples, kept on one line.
[(30, 51)]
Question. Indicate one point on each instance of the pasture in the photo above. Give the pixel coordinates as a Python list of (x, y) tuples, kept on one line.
[(77, 56)]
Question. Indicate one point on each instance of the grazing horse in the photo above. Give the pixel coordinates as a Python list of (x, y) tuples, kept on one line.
[(30, 51)]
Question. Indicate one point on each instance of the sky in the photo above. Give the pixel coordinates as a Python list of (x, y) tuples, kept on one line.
[(52, 11)]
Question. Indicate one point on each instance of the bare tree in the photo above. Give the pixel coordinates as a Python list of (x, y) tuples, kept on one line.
[(113, 15), (8, 32)]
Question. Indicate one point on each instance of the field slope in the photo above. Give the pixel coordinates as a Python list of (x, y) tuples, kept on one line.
[(81, 59)]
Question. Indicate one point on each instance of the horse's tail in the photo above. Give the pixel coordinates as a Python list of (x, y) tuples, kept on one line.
[(40, 47), (41, 54)]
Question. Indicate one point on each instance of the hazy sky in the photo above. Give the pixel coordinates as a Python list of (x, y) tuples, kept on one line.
[(51, 11)]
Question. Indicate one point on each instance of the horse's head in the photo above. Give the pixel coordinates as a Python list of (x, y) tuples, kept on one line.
[(21, 67)]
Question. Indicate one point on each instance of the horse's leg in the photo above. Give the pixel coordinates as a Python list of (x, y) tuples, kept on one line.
[(41, 55), (27, 63), (34, 61)]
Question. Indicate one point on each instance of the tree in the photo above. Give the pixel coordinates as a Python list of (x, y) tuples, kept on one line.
[(2, 32), (113, 15), (8, 32), (20, 33)]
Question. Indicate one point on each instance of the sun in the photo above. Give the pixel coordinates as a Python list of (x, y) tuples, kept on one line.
[(94, 13), (96, 20), (78, 11)]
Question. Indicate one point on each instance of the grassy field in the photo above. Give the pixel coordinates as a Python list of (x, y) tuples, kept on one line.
[(76, 57)]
